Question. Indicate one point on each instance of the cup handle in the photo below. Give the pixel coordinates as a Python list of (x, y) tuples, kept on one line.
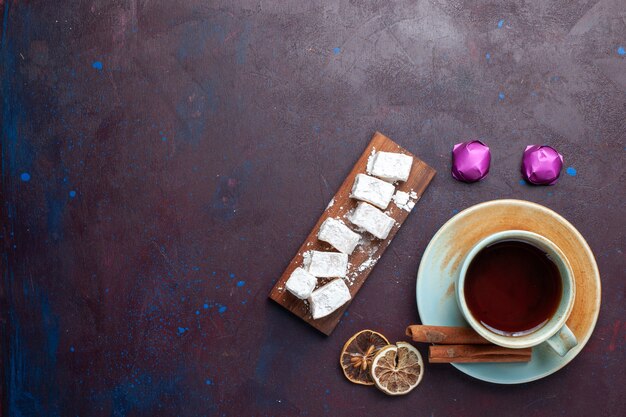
[(563, 341)]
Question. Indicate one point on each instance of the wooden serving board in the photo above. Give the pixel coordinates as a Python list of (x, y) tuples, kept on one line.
[(367, 253)]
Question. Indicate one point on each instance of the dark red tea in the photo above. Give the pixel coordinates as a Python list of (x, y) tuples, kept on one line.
[(512, 287)]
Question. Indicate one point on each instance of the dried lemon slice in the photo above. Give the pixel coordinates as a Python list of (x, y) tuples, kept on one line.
[(397, 369), (357, 354)]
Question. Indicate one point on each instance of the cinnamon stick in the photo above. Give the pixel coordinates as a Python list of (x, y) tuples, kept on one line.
[(477, 353), (445, 335)]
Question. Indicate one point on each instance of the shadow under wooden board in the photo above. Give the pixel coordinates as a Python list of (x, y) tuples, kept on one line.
[(367, 253)]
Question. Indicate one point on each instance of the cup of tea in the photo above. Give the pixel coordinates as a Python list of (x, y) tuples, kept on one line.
[(516, 289)]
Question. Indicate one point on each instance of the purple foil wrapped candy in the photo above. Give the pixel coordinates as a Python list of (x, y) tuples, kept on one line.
[(541, 165), (470, 161)]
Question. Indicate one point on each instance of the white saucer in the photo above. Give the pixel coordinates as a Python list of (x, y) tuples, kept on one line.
[(436, 301)]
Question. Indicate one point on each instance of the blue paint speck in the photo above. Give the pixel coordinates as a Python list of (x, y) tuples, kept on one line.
[(488, 56), (501, 23), (197, 312), (164, 139), (97, 65), (182, 330), (455, 211), (337, 50), (621, 51), (72, 194), (571, 171), (208, 382), (222, 309), (522, 182), (205, 306), (241, 283), (25, 176), (71, 348), (231, 275), (501, 95), (327, 391)]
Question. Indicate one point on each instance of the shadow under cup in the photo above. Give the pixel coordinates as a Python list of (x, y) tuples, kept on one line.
[(515, 288)]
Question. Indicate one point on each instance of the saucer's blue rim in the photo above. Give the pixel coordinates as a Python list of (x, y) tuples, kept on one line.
[(574, 352)]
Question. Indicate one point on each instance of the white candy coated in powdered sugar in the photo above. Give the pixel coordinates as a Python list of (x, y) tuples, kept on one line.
[(329, 298), (390, 166), (326, 264), (301, 283), (372, 190), (372, 220), (339, 235), (403, 200)]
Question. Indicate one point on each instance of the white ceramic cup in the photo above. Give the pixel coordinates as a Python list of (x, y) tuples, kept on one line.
[(555, 332)]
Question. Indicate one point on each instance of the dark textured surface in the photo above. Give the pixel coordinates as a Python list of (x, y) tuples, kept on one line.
[(162, 162)]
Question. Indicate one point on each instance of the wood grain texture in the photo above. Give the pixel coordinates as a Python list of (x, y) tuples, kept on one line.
[(368, 251)]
